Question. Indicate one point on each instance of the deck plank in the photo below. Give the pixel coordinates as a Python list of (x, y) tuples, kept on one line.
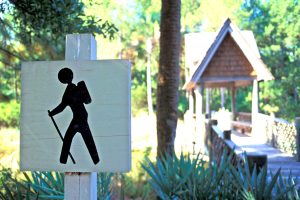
[(276, 158)]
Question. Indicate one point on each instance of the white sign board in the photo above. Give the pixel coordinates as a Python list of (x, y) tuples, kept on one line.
[(89, 104)]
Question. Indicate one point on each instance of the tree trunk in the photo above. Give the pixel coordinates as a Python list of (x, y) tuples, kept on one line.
[(168, 76)]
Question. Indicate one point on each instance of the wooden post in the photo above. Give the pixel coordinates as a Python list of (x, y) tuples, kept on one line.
[(227, 134), (80, 186), (258, 160), (200, 125), (255, 100), (233, 102), (207, 102), (191, 101), (255, 103), (199, 100), (297, 124), (222, 97), (210, 138), (258, 97), (201, 89)]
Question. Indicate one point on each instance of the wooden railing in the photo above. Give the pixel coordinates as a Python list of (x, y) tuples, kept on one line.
[(278, 132), (218, 141)]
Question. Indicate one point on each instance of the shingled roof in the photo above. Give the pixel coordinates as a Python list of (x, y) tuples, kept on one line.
[(229, 57)]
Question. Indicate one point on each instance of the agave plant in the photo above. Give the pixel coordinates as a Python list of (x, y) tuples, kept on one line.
[(213, 182), (187, 178), (286, 188), (260, 185), (37, 185), (45, 185), (104, 185), (169, 175), (254, 185)]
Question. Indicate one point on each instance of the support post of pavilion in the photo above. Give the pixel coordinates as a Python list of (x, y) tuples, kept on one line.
[(233, 102), (208, 113), (200, 124), (255, 108)]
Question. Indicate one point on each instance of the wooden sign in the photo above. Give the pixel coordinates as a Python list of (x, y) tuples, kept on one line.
[(75, 116)]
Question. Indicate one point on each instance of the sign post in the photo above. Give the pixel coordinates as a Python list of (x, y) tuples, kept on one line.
[(80, 186), (76, 116)]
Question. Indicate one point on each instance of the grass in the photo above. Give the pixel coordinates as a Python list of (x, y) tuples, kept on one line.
[(9, 148), (133, 185)]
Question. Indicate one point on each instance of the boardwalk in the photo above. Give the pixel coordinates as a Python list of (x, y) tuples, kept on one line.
[(276, 158)]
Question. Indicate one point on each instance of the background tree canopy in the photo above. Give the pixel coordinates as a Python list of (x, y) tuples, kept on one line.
[(276, 27), (35, 30)]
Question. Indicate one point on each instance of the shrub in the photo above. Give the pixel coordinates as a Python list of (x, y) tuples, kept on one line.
[(187, 178), (104, 184), (135, 184), (260, 185), (10, 114), (139, 99), (44, 185)]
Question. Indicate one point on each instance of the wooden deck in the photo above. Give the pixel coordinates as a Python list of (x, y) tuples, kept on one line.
[(276, 158)]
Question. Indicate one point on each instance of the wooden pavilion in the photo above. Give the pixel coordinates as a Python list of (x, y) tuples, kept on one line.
[(228, 59)]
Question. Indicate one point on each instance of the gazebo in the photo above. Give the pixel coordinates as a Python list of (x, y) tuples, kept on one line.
[(229, 59)]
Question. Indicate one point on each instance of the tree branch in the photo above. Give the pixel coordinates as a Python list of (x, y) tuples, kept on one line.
[(11, 53)]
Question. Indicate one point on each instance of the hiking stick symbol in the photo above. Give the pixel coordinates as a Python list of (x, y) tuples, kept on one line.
[(59, 133)]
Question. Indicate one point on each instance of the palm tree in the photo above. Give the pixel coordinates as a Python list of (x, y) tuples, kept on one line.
[(168, 76)]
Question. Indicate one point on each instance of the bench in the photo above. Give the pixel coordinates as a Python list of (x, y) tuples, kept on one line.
[(242, 123), (244, 127), (243, 116)]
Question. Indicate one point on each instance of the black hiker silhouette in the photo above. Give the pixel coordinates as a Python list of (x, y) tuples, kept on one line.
[(75, 97)]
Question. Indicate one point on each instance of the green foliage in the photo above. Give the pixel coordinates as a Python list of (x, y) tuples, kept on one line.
[(9, 148), (215, 98), (257, 185), (36, 32), (35, 18), (188, 178), (213, 13), (8, 81), (138, 22), (183, 103), (104, 183), (10, 114), (44, 185), (191, 15), (135, 183), (276, 27), (36, 185), (139, 99), (269, 101), (33, 30), (286, 188), (244, 99), (139, 89)]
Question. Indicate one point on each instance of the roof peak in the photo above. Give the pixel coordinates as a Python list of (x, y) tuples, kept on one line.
[(253, 57)]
